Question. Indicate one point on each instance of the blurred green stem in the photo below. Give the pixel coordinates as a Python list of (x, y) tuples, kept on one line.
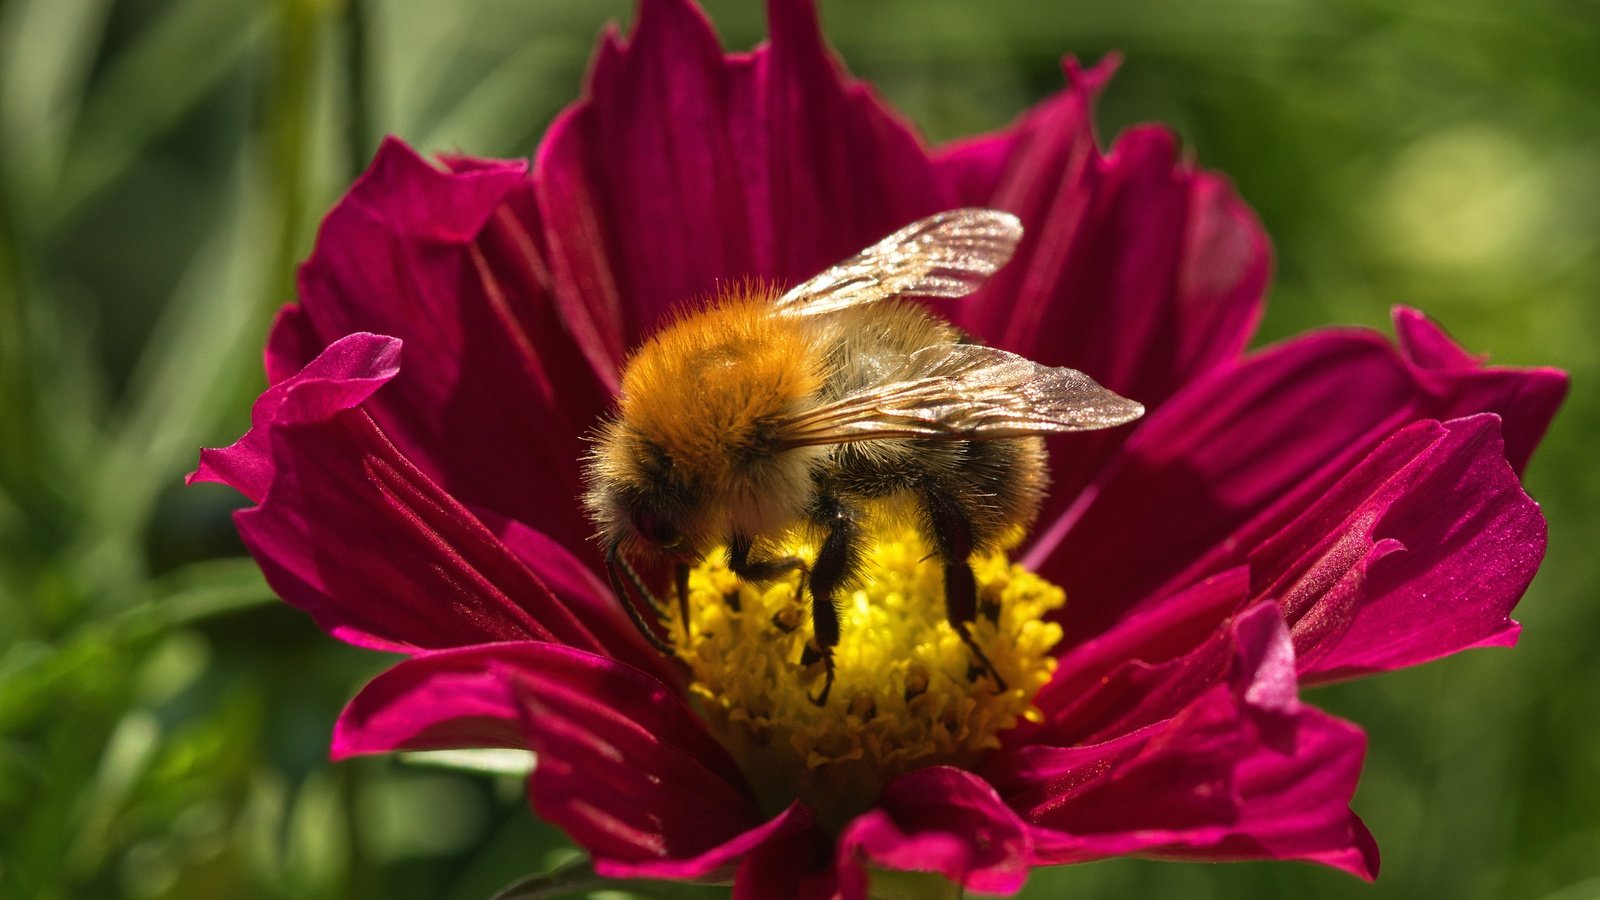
[(358, 132), (887, 884), (577, 877), (141, 94), (16, 395), (287, 120), (199, 348)]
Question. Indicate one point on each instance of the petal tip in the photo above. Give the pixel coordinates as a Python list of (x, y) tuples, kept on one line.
[(1091, 79)]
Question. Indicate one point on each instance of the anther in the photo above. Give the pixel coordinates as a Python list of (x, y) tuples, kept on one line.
[(916, 683), (863, 707), (786, 620), (910, 681)]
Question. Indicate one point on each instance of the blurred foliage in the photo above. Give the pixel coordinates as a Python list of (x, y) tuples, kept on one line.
[(164, 722)]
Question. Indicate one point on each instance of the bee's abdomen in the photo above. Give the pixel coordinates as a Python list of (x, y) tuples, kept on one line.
[(997, 485)]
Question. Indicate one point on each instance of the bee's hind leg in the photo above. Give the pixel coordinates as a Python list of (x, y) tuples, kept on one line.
[(952, 532)]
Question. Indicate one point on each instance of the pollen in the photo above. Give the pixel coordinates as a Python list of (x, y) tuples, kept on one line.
[(908, 693)]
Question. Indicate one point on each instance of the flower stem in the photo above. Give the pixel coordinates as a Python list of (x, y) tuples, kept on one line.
[(575, 877), (578, 877)]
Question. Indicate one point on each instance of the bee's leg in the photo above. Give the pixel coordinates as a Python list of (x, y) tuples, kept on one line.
[(764, 570), (836, 562), (952, 532), (758, 571)]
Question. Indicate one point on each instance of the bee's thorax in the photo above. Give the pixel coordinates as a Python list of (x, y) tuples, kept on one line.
[(709, 388)]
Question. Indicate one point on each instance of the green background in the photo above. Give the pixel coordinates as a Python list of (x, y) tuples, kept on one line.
[(164, 722)]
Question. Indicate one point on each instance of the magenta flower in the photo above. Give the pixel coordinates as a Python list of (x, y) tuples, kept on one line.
[(1326, 508)]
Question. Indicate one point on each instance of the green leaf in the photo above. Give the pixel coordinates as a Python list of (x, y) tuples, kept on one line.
[(202, 349), (33, 674), (143, 93), (47, 50)]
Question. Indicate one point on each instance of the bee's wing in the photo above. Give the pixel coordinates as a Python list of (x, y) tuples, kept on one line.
[(964, 392), (944, 255)]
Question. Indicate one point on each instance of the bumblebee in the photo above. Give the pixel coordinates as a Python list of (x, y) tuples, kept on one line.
[(758, 412)]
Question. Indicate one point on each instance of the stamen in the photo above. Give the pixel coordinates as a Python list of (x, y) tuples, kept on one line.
[(909, 691)]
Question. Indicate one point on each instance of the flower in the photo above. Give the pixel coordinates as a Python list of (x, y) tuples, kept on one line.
[(1330, 507)]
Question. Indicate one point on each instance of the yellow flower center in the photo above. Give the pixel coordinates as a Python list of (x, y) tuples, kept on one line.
[(908, 692)]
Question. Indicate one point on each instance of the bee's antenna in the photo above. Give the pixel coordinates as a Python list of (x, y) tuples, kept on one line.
[(614, 562), (639, 585)]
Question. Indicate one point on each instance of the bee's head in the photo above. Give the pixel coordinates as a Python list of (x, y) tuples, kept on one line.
[(642, 501)]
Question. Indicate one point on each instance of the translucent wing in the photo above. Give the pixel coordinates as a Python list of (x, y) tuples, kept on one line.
[(944, 255), (964, 392)]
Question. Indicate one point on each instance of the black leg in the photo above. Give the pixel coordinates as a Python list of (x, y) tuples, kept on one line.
[(836, 563), (952, 533), (758, 571)]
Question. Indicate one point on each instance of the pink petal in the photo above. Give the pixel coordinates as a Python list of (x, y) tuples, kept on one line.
[(1287, 420), (1248, 445), (721, 861), (341, 377), (683, 169), (1100, 698), (802, 865), (976, 166), (631, 776), (292, 342), (1243, 771), (1525, 399), (1144, 670), (437, 700), (1136, 267), (1279, 804), (624, 765), (495, 393), (1421, 551), (577, 587), (349, 530), (943, 820)]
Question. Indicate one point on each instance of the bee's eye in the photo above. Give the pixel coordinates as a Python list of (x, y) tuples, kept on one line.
[(656, 529)]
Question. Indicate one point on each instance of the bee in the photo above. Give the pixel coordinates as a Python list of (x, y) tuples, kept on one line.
[(759, 411)]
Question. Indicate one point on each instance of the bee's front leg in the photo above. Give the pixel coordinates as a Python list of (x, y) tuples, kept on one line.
[(836, 562), (758, 571), (952, 532)]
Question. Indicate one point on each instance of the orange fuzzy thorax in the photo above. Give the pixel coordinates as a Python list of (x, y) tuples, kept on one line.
[(705, 388)]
